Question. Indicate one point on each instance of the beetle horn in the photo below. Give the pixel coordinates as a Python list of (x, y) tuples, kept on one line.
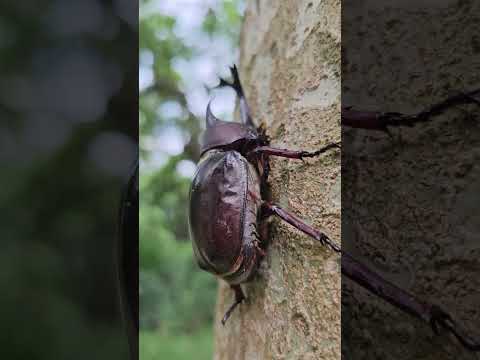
[(211, 119)]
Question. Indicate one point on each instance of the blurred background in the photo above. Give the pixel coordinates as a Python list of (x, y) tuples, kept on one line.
[(68, 138), (184, 46)]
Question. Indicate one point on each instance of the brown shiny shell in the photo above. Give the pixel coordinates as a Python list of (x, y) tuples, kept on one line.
[(222, 215)]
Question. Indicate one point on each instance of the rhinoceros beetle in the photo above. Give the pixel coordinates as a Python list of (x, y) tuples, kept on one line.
[(228, 205)]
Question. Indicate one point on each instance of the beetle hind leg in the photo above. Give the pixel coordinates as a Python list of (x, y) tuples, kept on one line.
[(239, 298)]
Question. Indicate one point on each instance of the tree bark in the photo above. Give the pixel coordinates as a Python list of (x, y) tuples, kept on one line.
[(290, 67), (410, 208)]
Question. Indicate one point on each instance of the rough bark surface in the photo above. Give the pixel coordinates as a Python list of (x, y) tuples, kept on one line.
[(290, 67), (410, 204)]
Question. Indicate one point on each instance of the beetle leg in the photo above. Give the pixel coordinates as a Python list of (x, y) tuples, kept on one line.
[(380, 121), (293, 154), (441, 318), (301, 225), (432, 314), (239, 297), (256, 244), (245, 114), (363, 276)]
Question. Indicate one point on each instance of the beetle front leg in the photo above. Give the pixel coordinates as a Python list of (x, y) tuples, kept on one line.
[(245, 114), (239, 298), (293, 154), (381, 121), (369, 120)]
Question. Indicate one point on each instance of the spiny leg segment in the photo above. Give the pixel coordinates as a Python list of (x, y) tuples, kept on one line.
[(381, 121)]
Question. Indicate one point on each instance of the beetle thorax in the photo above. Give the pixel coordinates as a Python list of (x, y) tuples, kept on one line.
[(227, 135)]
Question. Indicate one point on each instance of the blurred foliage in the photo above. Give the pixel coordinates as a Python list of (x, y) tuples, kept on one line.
[(176, 298), (59, 204), (179, 347)]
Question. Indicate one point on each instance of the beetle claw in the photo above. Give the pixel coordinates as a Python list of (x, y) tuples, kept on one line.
[(440, 318), (471, 98), (223, 83), (304, 154)]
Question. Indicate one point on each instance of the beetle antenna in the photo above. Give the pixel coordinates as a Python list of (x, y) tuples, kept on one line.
[(211, 119)]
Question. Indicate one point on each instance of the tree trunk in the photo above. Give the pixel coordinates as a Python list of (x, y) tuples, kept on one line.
[(410, 205), (290, 67)]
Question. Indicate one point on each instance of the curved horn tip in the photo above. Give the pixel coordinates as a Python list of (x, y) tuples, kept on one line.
[(211, 119)]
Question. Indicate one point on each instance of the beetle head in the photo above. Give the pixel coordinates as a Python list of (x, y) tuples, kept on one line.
[(225, 134)]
